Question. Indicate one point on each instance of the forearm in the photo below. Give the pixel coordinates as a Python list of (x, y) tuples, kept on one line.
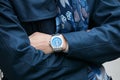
[(101, 43), (97, 46), (17, 56)]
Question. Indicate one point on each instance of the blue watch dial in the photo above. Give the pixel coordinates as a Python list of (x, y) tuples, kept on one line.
[(56, 42)]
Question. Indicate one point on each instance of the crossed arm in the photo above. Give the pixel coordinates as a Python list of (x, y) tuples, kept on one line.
[(102, 42)]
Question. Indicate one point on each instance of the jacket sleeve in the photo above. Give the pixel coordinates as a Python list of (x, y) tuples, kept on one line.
[(101, 43), (17, 57)]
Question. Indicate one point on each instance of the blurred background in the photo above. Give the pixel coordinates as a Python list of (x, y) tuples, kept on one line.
[(112, 69)]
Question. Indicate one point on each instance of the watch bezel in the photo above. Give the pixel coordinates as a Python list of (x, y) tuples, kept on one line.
[(56, 49)]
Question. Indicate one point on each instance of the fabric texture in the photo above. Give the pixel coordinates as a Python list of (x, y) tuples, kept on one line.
[(20, 61), (72, 15)]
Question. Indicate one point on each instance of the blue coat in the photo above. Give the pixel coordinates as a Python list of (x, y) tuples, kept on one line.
[(20, 61)]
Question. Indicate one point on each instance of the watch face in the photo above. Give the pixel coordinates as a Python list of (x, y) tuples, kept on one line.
[(56, 42)]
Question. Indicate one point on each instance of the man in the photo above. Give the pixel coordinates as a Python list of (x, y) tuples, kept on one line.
[(20, 61)]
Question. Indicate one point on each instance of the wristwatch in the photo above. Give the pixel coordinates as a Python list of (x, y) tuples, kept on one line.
[(56, 43)]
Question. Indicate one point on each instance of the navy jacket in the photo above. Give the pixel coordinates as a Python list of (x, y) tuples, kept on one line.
[(20, 61)]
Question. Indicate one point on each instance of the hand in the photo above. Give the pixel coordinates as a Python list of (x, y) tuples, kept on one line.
[(41, 41)]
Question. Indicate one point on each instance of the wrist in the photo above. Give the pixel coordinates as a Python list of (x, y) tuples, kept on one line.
[(65, 44)]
